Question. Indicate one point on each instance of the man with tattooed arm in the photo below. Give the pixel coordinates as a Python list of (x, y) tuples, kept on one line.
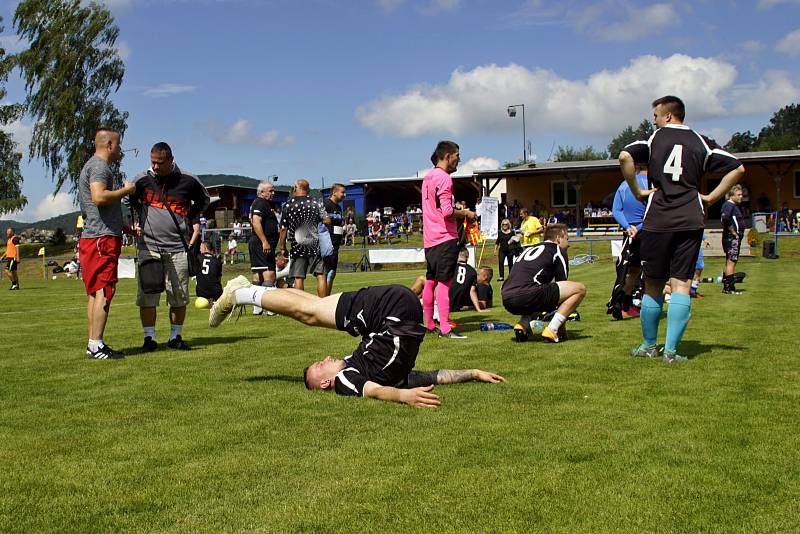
[(389, 321)]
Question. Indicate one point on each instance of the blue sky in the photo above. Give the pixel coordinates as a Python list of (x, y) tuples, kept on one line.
[(344, 90)]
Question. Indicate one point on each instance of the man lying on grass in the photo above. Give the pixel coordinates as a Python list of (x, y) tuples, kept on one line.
[(389, 321)]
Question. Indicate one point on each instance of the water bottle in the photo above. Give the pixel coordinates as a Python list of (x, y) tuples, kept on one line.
[(708, 280), (489, 326), (537, 326)]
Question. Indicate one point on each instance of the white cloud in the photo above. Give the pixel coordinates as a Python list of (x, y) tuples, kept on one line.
[(720, 135), (21, 134), (790, 44), (476, 100), (604, 20), (774, 91), (241, 133), (124, 50), (168, 89), (50, 206), (481, 163), (638, 23), (466, 168)]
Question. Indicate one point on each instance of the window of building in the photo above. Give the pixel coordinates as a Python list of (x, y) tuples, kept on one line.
[(563, 194)]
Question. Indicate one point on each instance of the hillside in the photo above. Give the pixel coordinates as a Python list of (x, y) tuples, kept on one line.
[(66, 222)]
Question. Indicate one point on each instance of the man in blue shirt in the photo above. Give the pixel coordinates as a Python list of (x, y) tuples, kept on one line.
[(628, 211)]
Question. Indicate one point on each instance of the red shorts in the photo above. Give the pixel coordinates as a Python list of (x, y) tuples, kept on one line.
[(99, 259)]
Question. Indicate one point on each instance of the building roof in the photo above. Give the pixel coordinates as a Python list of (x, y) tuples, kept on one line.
[(455, 176), (228, 180), (613, 164), (236, 181)]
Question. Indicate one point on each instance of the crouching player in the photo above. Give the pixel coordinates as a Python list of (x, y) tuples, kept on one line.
[(389, 321), (538, 283)]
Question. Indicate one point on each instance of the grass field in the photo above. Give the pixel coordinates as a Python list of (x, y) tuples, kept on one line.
[(582, 437)]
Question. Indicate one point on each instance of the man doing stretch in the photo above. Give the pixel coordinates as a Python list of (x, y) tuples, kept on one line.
[(389, 321)]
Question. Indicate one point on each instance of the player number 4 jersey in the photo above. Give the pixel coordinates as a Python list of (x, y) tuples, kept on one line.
[(677, 157)]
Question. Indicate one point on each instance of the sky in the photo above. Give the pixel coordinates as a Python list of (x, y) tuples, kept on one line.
[(339, 90)]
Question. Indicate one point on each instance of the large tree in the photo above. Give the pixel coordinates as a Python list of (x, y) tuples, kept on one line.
[(628, 136), (782, 133), (69, 70), (569, 153), (742, 142), (11, 197)]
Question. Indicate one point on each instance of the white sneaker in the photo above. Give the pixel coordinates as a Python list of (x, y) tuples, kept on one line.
[(227, 301)]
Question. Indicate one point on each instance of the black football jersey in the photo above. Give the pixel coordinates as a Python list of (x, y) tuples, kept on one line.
[(465, 278), (536, 266), (677, 157), (732, 219), (336, 227), (269, 222), (209, 284)]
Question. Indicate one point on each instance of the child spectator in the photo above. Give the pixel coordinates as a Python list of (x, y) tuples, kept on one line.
[(209, 279)]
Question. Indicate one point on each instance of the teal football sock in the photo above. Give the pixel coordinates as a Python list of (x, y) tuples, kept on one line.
[(650, 315), (680, 310)]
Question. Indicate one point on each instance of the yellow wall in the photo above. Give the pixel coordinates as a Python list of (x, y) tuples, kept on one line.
[(600, 184)]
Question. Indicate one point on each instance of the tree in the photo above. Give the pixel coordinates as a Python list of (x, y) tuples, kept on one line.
[(628, 136), (11, 197), (742, 142), (783, 131), (569, 153), (59, 237), (512, 164), (69, 71)]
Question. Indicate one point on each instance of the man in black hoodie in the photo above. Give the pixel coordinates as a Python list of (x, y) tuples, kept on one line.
[(168, 202)]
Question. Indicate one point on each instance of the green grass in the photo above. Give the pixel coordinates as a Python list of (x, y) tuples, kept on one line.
[(581, 437)]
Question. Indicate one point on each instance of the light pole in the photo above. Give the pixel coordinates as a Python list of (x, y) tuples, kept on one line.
[(512, 112)]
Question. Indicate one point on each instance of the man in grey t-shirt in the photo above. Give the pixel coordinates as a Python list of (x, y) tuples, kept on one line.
[(101, 240)]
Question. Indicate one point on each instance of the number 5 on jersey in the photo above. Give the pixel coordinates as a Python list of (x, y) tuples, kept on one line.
[(674, 162)]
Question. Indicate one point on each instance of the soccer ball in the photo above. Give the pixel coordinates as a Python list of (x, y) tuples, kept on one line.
[(201, 303), (54, 277)]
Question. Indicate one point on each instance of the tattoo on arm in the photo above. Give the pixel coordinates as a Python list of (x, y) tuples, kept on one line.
[(453, 376)]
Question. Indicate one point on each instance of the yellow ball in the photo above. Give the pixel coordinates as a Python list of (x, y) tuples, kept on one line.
[(201, 303)]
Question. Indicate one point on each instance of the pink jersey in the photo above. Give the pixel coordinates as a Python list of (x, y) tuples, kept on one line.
[(438, 222)]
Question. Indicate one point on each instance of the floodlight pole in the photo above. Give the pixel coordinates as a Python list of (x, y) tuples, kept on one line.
[(511, 112)]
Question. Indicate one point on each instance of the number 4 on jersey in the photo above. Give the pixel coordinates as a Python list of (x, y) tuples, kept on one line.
[(674, 162)]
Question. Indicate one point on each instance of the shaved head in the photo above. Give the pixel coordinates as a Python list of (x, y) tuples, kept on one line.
[(302, 184), (107, 144), (103, 136)]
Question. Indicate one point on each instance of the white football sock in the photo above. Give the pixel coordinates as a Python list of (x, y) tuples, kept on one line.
[(249, 295), (95, 344), (556, 322), (149, 331)]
